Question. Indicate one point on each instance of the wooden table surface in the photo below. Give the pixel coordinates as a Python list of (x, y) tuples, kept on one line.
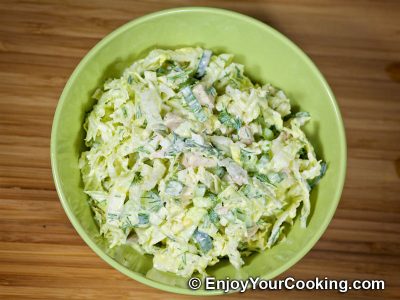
[(356, 44)]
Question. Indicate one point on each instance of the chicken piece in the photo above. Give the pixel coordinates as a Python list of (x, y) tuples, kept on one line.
[(201, 95), (193, 159), (245, 135), (172, 121), (238, 174)]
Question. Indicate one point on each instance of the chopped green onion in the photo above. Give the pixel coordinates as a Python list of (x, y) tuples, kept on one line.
[(212, 91), (275, 178), (193, 104), (203, 63), (203, 240), (227, 119), (214, 218), (130, 79), (143, 218), (151, 201)]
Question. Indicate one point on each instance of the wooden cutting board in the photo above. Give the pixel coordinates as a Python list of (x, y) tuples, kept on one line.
[(356, 44)]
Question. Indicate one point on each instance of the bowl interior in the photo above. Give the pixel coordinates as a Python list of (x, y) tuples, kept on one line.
[(268, 57)]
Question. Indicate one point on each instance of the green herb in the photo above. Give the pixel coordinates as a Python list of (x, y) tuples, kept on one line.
[(220, 171), (130, 79), (227, 119), (142, 149), (245, 155), (239, 214), (112, 216), (262, 177), (177, 145), (303, 153), (137, 179), (166, 67), (250, 191), (242, 246), (288, 117), (194, 104), (143, 218), (138, 113), (151, 201), (238, 73), (224, 117), (237, 123), (275, 178), (127, 223), (177, 75), (161, 71), (189, 82), (214, 218), (271, 178), (210, 195), (190, 143), (275, 131), (124, 112)]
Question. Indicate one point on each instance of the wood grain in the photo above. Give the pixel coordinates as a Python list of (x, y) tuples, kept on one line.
[(356, 44)]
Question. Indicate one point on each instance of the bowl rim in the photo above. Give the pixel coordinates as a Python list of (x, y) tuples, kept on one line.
[(216, 11)]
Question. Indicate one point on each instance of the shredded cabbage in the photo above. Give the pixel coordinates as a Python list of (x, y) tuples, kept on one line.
[(190, 161)]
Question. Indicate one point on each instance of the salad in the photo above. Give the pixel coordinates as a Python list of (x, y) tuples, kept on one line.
[(191, 161)]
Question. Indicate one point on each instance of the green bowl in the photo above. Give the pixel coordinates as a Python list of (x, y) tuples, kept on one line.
[(268, 56)]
